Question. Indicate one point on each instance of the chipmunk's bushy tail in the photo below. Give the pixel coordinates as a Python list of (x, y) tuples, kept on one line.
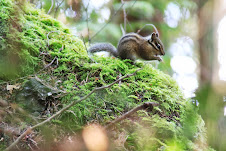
[(103, 47)]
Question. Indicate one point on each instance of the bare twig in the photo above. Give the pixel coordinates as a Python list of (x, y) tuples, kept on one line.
[(87, 22), (131, 6), (84, 43), (127, 114), (29, 130), (50, 63), (41, 4), (107, 22), (55, 58), (149, 25), (127, 21), (124, 15), (50, 9), (57, 7), (87, 49), (48, 36), (123, 31)]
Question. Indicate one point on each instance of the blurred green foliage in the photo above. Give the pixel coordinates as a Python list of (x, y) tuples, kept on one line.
[(212, 110)]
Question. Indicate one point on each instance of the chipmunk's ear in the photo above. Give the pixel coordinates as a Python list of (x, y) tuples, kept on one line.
[(153, 35), (156, 34)]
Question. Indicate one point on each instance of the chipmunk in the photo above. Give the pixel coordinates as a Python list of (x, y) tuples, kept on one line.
[(133, 46)]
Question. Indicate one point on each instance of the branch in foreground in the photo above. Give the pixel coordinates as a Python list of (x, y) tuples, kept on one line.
[(87, 23), (127, 114), (29, 130)]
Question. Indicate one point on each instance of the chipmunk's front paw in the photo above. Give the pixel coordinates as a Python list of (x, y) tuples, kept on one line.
[(159, 59)]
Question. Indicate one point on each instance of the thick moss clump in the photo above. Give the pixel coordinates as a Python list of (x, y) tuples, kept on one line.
[(27, 35), (32, 42)]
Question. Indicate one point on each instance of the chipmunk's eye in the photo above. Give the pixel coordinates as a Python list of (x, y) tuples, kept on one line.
[(158, 46)]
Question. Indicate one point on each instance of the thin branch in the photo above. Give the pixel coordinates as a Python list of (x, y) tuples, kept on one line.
[(84, 43), (50, 63), (41, 4), (107, 22), (29, 130), (57, 7), (50, 9), (55, 58), (87, 49), (123, 31), (48, 36), (124, 15), (131, 6), (87, 22), (156, 30), (127, 114), (129, 11)]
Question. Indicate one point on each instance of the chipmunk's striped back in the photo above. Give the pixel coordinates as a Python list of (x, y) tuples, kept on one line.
[(132, 46)]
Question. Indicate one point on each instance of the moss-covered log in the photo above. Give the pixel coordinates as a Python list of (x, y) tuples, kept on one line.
[(34, 43)]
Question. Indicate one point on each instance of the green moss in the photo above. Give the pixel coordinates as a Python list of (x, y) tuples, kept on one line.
[(24, 30), (30, 40)]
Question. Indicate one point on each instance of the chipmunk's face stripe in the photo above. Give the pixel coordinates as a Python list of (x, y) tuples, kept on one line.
[(155, 45), (151, 44)]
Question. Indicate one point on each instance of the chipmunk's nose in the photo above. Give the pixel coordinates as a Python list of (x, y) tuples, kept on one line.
[(163, 52)]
